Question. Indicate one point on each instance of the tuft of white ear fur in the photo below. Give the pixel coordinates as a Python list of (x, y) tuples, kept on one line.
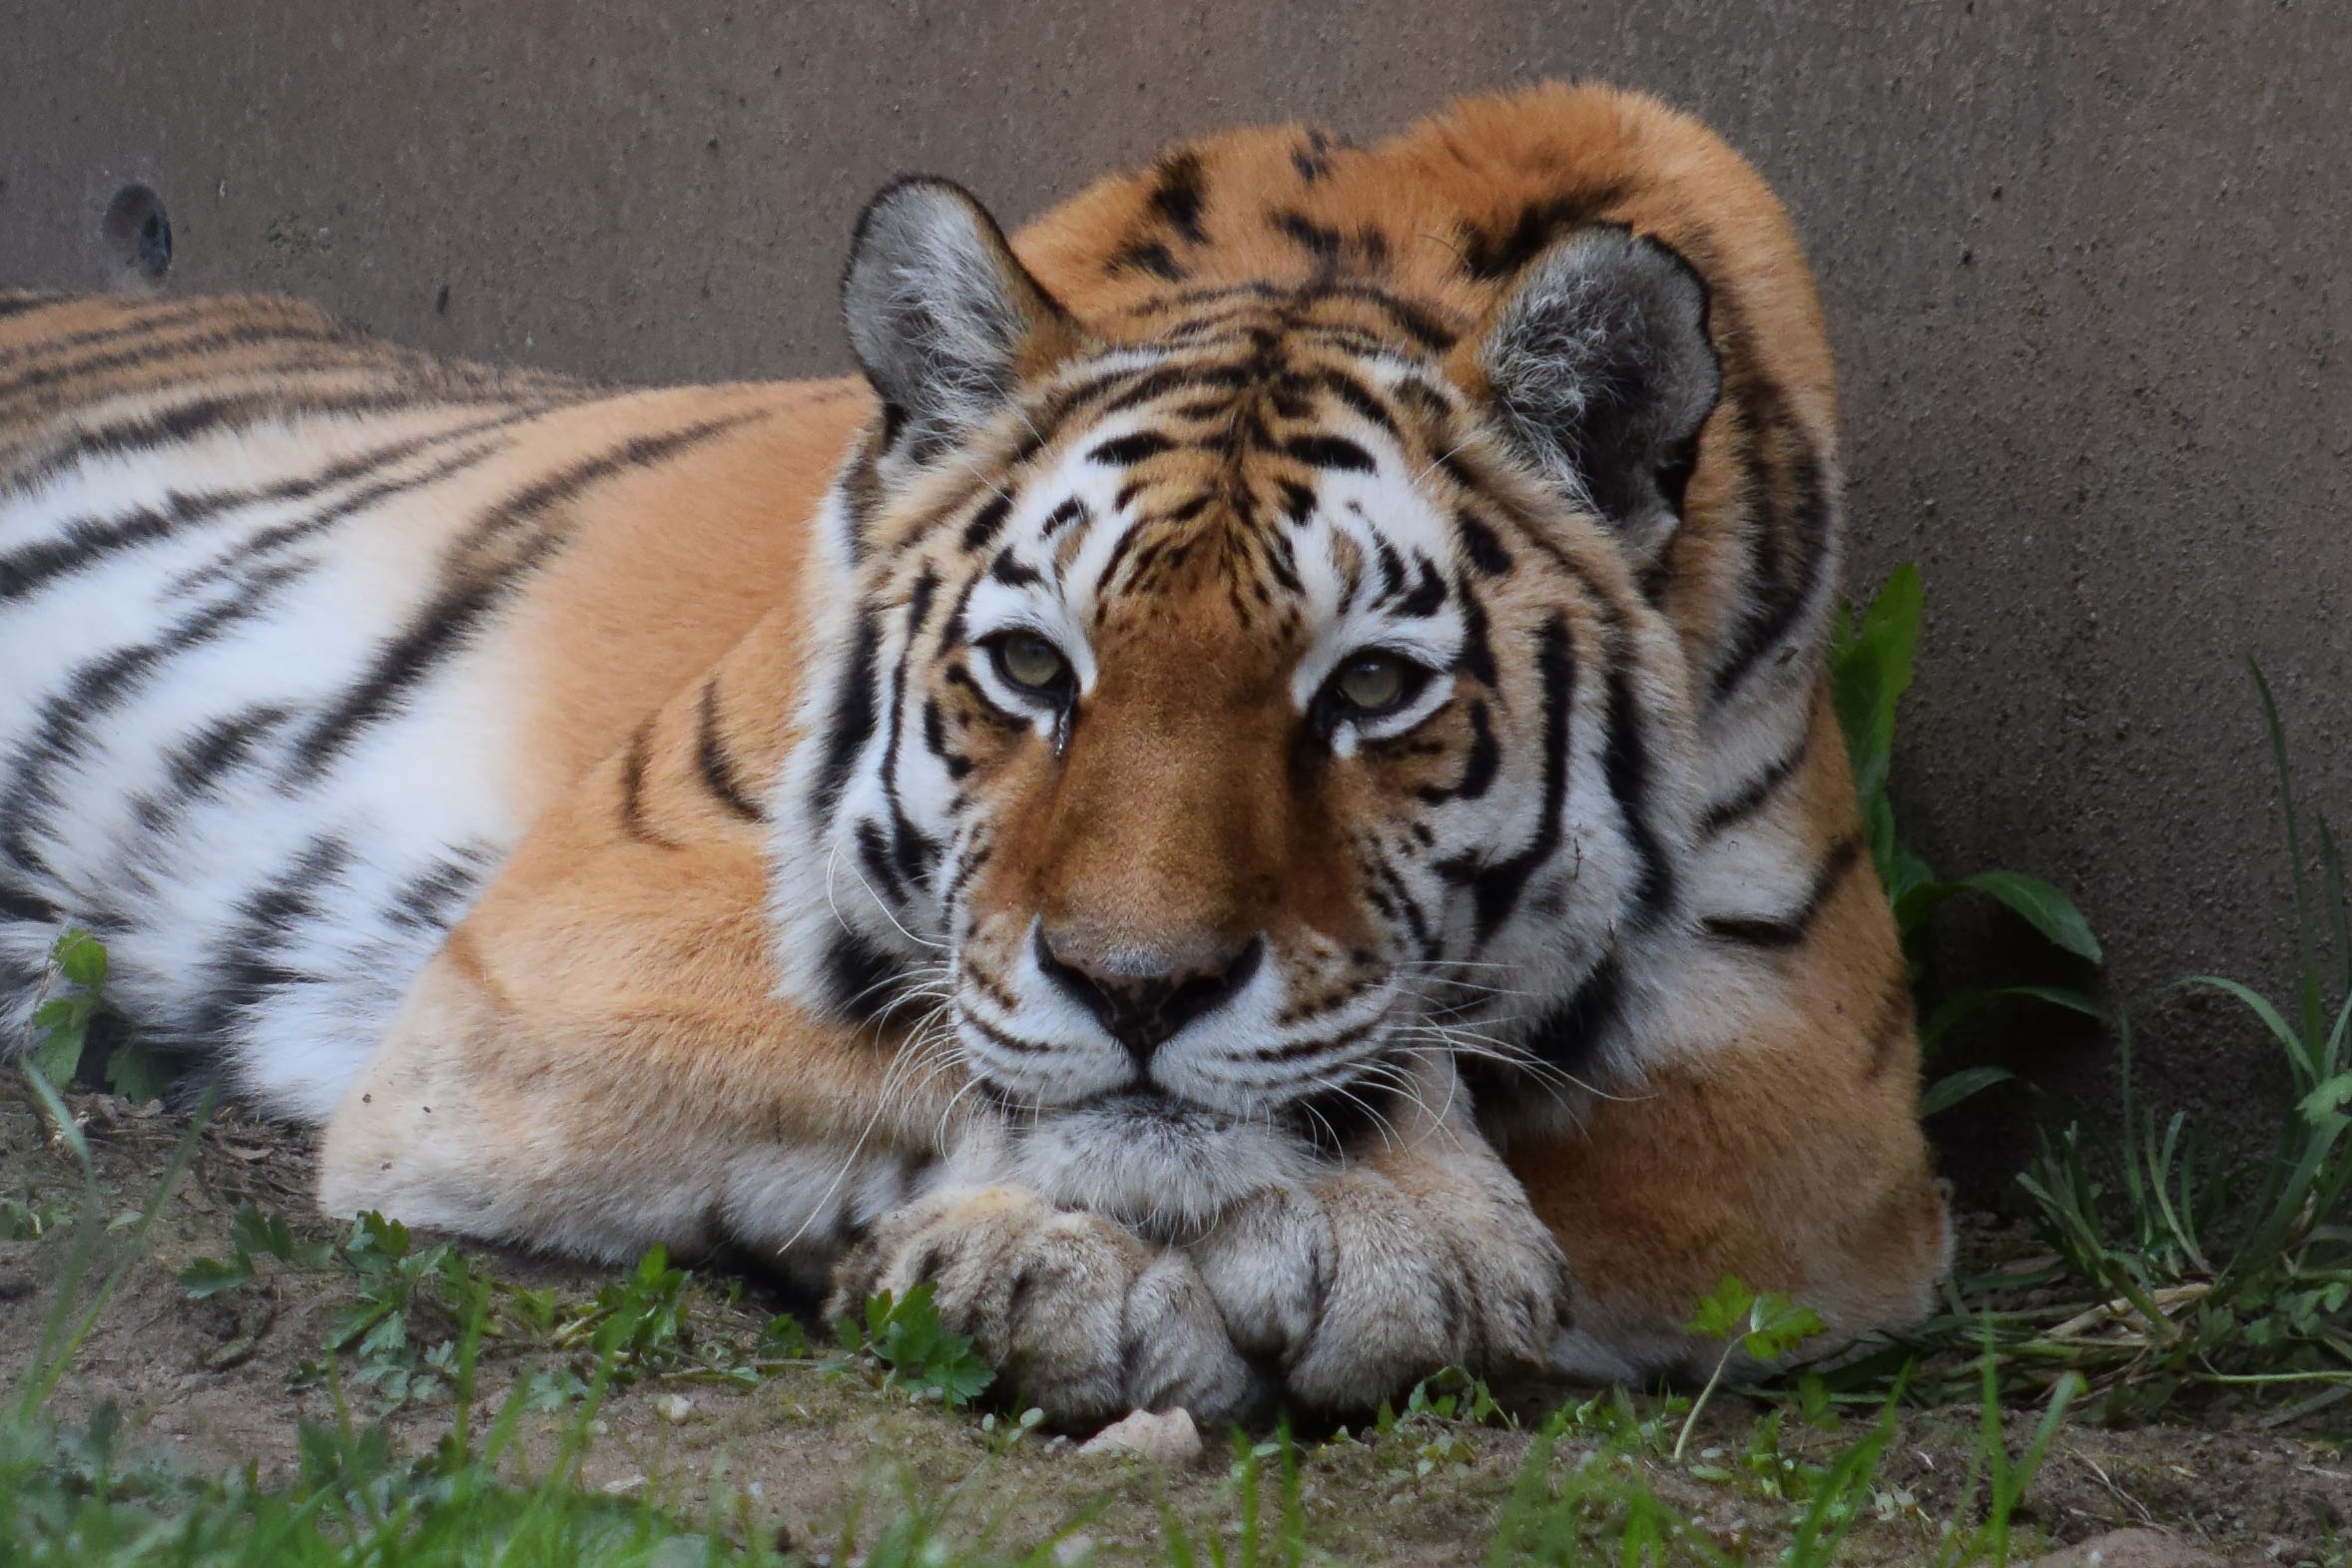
[(1603, 373), (940, 314)]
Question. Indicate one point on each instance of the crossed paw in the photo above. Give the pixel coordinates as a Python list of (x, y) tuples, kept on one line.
[(1332, 1297)]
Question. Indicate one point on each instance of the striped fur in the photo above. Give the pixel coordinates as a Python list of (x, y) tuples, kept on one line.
[(617, 815)]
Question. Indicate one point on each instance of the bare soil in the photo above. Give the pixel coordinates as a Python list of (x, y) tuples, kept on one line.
[(212, 1383)]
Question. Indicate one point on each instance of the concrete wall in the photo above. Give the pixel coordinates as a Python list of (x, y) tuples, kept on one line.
[(2081, 263)]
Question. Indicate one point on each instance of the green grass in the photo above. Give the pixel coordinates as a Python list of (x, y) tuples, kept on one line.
[(2171, 1278), (1590, 1486)]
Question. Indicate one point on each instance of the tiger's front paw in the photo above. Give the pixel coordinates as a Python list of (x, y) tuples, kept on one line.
[(1368, 1280), (1083, 1320)]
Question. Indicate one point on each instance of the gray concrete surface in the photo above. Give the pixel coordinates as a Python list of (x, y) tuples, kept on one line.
[(2081, 261)]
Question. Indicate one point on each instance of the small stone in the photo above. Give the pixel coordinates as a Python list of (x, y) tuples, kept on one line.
[(673, 1407), (1073, 1549), (2134, 1548), (1166, 1437)]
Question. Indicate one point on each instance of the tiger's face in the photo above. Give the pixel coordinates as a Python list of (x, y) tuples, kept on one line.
[(1228, 718)]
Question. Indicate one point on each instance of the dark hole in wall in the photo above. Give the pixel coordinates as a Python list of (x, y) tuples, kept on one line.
[(138, 230)]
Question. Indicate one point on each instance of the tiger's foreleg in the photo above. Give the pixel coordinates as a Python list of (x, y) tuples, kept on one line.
[(1082, 1317), (1418, 1251)]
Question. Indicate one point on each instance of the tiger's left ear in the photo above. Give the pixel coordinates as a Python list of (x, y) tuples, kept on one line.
[(1602, 373), (944, 318)]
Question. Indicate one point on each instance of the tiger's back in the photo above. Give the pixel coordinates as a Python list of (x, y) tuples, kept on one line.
[(303, 630)]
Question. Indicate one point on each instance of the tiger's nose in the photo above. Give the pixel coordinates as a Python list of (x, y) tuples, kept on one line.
[(1144, 1010)]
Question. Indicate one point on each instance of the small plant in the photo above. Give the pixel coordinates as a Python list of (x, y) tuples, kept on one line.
[(916, 1352), (71, 1003), (1764, 1326), (1870, 667), (2195, 1290)]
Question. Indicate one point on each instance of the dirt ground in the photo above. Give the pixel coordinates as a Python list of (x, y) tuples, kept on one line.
[(215, 1383)]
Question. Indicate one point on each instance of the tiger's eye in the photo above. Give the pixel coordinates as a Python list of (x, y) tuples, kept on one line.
[(1372, 682), (1031, 662)]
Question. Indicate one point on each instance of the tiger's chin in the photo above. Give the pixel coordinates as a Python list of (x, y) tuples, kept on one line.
[(1165, 1168)]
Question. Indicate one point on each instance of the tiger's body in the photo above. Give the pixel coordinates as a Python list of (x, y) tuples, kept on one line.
[(630, 818)]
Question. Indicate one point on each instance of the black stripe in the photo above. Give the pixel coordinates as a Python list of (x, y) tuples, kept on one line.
[(97, 686), (1626, 765), (1178, 193), (1477, 770), (474, 592), (873, 852), (17, 905), (1780, 931), (1010, 571), (83, 541), (435, 897), (19, 301), (197, 765), (1145, 255), (935, 739), (912, 850), (1330, 451), (716, 767), (1070, 511), (25, 383), (1358, 397), (859, 975), (1496, 888), (633, 765), (149, 429), (1429, 594), (1568, 1036), (1492, 254), (1477, 659), (854, 714), (142, 322), (987, 522), (246, 551), (1126, 450), (247, 964), (1317, 239), (1484, 550), (1756, 792)]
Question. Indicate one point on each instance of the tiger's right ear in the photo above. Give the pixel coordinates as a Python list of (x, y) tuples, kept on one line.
[(944, 318)]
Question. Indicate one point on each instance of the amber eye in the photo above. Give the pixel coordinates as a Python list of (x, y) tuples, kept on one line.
[(1375, 682), (1031, 662)]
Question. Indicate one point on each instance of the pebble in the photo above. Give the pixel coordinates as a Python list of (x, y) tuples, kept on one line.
[(2134, 1548), (1166, 1437), (673, 1407)]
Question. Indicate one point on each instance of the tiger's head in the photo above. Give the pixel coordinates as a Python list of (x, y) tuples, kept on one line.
[(1216, 711)]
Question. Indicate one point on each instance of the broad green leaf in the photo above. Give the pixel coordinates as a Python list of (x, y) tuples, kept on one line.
[(82, 957), (58, 1054), (209, 1276), (2046, 909), (1913, 904), (137, 1073), (1723, 1312), (1960, 1006), (1949, 1090), (1778, 1325), (1870, 669), (2065, 996)]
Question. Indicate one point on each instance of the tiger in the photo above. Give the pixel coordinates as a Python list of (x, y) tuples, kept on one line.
[(1252, 801)]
